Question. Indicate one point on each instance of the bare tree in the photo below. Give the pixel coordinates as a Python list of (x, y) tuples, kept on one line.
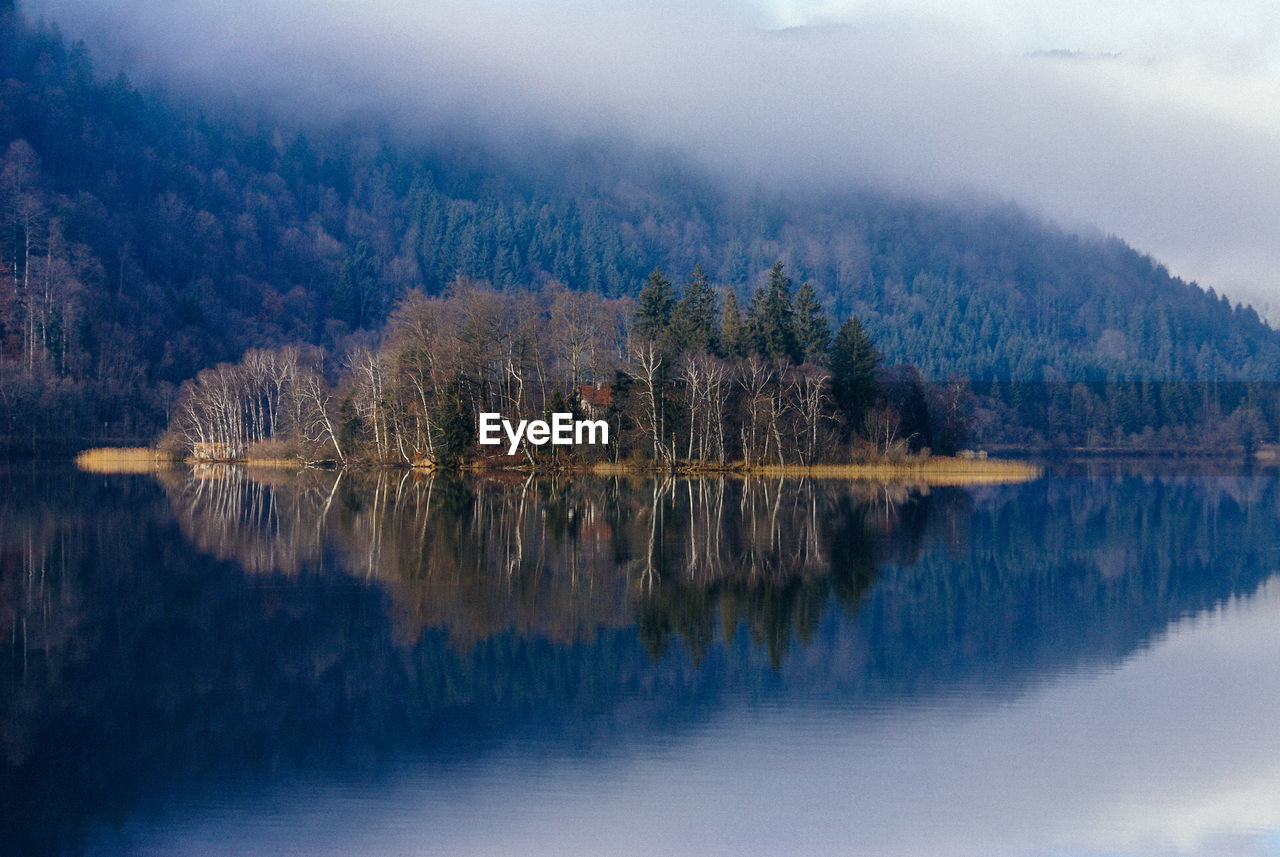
[(756, 377), (313, 402), (882, 425), (810, 385), (577, 324), (212, 410), (705, 383), (25, 209), (422, 341), (646, 369), (369, 396)]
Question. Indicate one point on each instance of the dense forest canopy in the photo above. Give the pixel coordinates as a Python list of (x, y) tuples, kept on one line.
[(145, 239)]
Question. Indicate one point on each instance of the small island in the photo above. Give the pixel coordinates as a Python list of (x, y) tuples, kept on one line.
[(667, 383)]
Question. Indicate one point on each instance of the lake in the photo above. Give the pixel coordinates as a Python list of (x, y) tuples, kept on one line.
[(222, 662)]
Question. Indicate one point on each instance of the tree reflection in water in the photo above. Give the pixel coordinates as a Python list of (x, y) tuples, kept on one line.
[(561, 559)]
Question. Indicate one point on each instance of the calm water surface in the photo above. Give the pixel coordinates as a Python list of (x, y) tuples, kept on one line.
[(227, 663)]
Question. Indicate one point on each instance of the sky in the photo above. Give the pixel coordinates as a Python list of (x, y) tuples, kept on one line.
[(1156, 121)]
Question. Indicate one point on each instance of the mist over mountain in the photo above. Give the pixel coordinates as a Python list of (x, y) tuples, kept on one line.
[(151, 235), (1161, 134)]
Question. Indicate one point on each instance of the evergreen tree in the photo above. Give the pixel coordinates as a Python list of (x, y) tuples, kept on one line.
[(454, 421), (354, 283), (903, 389), (813, 331), (854, 364), (770, 325), (732, 335), (693, 326), (654, 306)]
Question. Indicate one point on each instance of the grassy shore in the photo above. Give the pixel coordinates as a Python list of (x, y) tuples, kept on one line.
[(146, 459), (124, 459), (931, 471), (935, 470)]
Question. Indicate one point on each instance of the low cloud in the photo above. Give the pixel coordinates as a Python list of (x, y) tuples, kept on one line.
[(1176, 155)]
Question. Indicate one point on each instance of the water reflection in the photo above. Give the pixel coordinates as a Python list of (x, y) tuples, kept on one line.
[(1172, 753), (222, 635), (562, 559)]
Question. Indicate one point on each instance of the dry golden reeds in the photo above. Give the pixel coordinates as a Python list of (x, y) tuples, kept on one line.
[(124, 459), (931, 471), (935, 470)]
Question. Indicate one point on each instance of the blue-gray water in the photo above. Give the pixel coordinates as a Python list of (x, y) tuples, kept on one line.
[(219, 663)]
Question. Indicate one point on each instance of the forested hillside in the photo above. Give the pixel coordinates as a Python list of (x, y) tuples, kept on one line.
[(145, 238)]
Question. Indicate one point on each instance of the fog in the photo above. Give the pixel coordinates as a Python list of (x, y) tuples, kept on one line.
[(1159, 126)]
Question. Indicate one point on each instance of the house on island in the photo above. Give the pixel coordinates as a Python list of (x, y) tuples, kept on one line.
[(595, 399)]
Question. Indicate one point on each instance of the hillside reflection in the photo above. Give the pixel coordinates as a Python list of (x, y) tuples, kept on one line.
[(225, 625)]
